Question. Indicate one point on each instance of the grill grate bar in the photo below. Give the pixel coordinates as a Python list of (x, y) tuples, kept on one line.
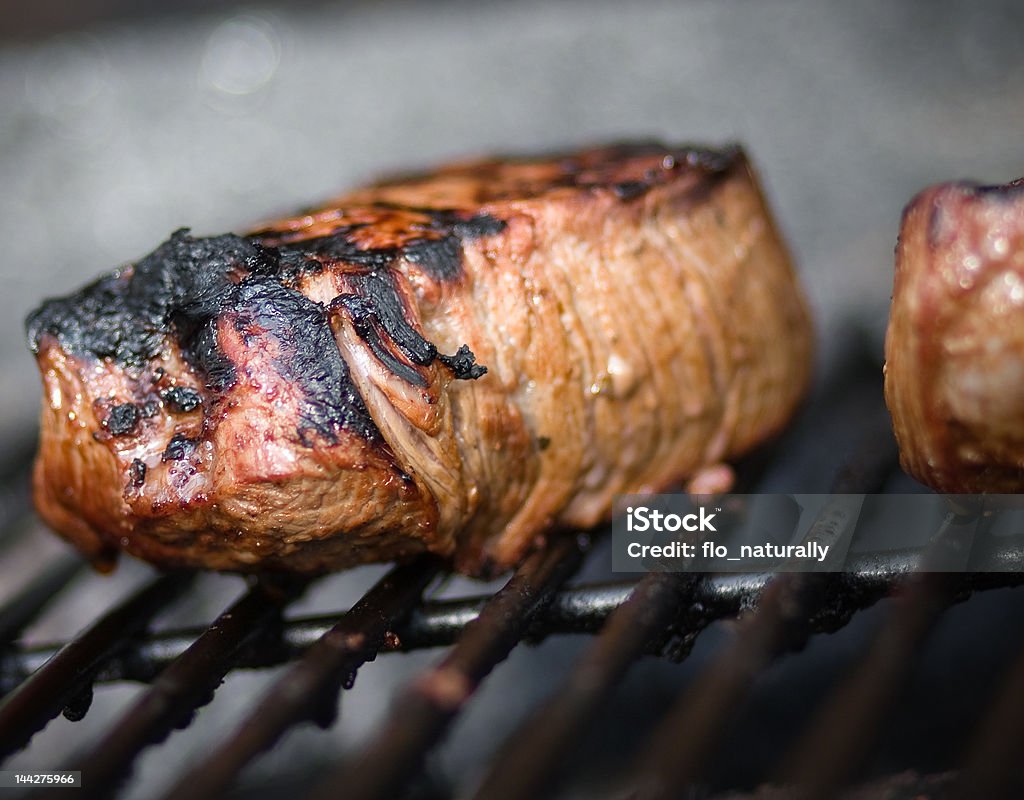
[(421, 714), (431, 624), (906, 785), (574, 610), (534, 751), (186, 685), (529, 764), (690, 732), (692, 729), (309, 689), (994, 762), (31, 601), (839, 738), (67, 677)]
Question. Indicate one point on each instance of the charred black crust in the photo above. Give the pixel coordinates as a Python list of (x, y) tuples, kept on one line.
[(477, 227), (184, 288), (589, 169), (463, 364), (1009, 191), (627, 190), (137, 473), (438, 252), (376, 311), (441, 258), (187, 286), (181, 399), (122, 419), (179, 447), (307, 356), (582, 169), (341, 246), (180, 287), (366, 322), (386, 312)]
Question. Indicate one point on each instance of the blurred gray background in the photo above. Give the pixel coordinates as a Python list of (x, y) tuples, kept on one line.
[(115, 133), (120, 123)]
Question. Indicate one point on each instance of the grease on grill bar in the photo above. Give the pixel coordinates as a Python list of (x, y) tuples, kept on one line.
[(65, 681), (188, 683), (582, 609), (427, 707), (309, 690)]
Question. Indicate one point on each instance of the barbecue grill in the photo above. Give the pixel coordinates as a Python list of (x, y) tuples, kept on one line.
[(886, 682), (660, 615)]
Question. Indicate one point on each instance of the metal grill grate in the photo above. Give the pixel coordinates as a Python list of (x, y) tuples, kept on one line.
[(661, 614)]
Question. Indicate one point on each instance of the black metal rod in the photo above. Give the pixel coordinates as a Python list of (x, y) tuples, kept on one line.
[(27, 604), (421, 714), (994, 766), (905, 785), (841, 734), (574, 610), (431, 624), (309, 689), (680, 747), (187, 684), (533, 753), (690, 732), (69, 673)]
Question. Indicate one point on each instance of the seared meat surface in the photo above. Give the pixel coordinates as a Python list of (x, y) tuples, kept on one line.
[(954, 350), (458, 362)]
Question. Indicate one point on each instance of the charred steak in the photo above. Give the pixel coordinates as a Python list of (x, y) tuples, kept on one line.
[(954, 350), (458, 362)]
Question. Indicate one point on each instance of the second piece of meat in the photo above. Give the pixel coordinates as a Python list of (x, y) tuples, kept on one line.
[(954, 349)]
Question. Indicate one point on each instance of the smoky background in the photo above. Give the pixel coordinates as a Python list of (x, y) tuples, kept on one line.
[(120, 122)]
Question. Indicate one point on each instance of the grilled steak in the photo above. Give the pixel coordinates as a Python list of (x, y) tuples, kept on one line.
[(456, 362), (954, 350)]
